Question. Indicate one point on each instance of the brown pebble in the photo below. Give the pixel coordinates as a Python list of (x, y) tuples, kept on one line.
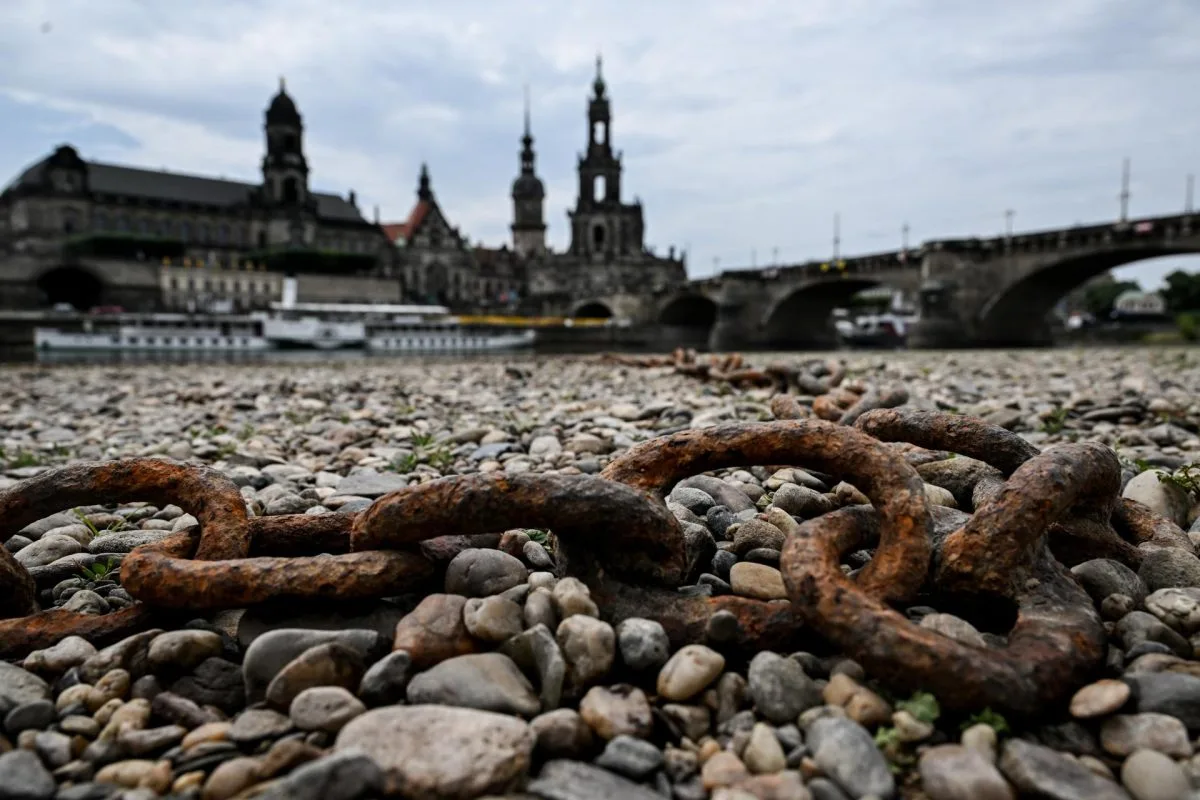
[(434, 631), (188, 780), (230, 778), (208, 732), (285, 755)]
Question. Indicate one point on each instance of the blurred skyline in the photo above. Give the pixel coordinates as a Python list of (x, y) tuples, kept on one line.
[(745, 128)]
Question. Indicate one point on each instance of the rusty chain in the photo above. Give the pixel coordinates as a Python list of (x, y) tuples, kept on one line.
[(1031, 510)]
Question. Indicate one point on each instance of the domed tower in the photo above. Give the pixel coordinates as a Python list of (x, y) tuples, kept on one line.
[(528, 196), (284, 168)]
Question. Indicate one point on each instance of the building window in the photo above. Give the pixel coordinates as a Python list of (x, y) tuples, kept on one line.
[(222, 234), (146, 226), (123, 223), (598, 236), (202, 232), (100, 221), (291, 190), (185, 231)]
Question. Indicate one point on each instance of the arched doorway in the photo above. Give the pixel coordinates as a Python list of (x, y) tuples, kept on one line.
[(74, 285)]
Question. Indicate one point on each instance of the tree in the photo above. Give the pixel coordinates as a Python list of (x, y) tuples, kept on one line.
[(1099, 298), (1182, 292)]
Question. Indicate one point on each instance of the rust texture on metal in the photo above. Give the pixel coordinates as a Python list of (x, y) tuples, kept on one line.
[(1053, 648), (1107, 526), (874, 398), (631, 531), (163, 574), (998, 545), (1141, 526), (934, 430), (898, 568), (20, 636), (786, 406), (18, 591)]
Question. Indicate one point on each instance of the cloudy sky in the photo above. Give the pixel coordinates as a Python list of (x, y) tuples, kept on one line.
[(745, 126)]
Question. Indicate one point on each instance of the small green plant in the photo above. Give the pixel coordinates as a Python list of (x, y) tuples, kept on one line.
[(887, 738), (1055, 421), (83, 518), (406, 463), (21, 458), (441, 460), (246, 432), (1186, 477), (422, 439), (344, 418), (923, 706), (539, 536), (899, 757), (101, 571), (992, 719)]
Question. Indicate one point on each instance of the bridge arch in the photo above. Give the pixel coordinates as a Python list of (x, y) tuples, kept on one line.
[(686, 320), (76, 285), (1018, 314), (593, 309), (801, 319)]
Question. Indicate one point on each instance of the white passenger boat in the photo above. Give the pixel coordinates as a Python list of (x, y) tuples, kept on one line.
[(376, 328), (157, 332)]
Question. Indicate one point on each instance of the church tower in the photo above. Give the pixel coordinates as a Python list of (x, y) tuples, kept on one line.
[(528, 196), (601, 225), (284, 168)]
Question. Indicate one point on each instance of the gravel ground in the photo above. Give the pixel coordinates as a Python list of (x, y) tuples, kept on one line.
[(502, 680)]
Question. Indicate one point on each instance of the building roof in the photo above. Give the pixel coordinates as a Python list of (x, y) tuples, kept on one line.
[(180, 187), (397, 231)]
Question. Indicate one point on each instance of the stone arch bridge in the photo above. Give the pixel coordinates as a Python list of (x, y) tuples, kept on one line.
[(971, 292)]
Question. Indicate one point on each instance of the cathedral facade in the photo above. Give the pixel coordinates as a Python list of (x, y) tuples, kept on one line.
[(607, 255)]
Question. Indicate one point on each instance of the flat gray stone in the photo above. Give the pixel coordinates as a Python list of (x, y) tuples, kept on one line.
[(574, 780), (1041, 772), (442, 751), (372, 484)]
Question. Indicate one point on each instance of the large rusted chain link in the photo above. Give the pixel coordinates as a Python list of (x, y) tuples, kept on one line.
[(164, 575), (1108, 527), (204, 492), (898, 569), (1054, 646), (209, 495)]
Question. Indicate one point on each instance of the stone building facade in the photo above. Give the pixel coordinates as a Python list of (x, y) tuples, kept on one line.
[(65, 208), (436, 263)]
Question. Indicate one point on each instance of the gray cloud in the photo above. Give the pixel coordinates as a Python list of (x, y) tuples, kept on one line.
[(745, 126)]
